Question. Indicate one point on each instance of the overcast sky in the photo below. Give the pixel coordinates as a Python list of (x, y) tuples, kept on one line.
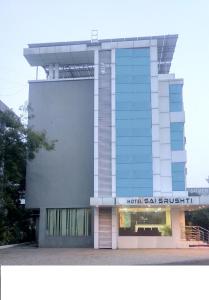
[(25, 21)]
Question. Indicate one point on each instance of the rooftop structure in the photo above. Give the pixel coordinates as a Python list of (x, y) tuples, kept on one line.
[(76, 59)]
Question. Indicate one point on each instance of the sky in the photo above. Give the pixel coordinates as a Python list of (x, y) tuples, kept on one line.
[(23, 22)]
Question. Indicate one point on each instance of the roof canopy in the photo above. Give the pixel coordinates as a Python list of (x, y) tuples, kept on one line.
[(82, 52)]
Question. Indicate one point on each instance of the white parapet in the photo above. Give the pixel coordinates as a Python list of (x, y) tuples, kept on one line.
[(179, 156), (177, 116), (102, 201)]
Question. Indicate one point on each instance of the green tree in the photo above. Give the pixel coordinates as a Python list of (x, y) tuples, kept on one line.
[(198, 218), (18, 143)]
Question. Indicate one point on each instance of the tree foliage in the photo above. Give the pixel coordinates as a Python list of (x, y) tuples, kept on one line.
[(198, 218), (18, 143)]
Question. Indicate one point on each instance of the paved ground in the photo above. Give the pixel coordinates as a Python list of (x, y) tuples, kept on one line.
[(29, 255)]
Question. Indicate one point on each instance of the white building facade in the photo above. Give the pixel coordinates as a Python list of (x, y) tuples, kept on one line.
[(139, 146)]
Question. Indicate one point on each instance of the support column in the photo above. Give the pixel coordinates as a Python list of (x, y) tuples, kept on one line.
[(176, 218), (50, 72), (96, 228), (114, 228), (104, 125), (113, 123), (42, 228), (56, 73), (182, 219), (96, 121)]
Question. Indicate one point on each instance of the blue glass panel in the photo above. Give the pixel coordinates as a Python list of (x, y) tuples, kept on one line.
[(143, 167), (178, 176), (179, 186), (132, 132), (142, 52), (140, 170), (132, 79), (178, 166), (140, 141), (177, 145), (175, 96), (175, 89), (140, 71), (146, 124), (140, 150), (123, 52), (176, 106), (140, 61), (133, 61), (134, 192), (132, 70), (177, 136), (132, 105), (138, 97), (133, 88), (177, 126), (133, 123), (134, 183), (133, 158), (131, 115)]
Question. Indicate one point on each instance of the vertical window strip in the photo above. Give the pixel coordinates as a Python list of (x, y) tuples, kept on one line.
[(175, 97), (86, 227), (133, 116), (76, 222), (68, 222), (53, 221)]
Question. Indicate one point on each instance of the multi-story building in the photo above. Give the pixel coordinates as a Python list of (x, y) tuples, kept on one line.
[(117, 178)]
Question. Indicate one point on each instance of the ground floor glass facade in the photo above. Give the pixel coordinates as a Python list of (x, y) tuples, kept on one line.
[(144, 222)]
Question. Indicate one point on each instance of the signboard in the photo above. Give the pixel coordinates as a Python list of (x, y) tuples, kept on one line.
[(150, 201), (135, 201)]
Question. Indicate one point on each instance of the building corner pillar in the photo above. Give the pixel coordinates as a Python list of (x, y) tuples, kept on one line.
[(114, 228), (96, 228), (177, 222)]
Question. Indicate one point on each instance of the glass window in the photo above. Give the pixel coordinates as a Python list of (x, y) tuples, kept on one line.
[(144, 222), (68, 222)]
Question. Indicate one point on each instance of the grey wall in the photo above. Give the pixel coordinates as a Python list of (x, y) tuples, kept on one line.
[(64, 177)]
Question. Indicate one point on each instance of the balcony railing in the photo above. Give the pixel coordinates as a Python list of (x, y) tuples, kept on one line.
[(195, 233)]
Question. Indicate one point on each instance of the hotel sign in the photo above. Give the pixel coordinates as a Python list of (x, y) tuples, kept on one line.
[(157, 201), (150, 201)]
